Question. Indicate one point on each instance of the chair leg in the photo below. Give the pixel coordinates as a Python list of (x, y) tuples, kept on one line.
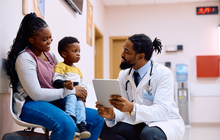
[(47, 133)]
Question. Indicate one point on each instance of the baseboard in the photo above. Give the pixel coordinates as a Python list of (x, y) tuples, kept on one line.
[(205, 124)]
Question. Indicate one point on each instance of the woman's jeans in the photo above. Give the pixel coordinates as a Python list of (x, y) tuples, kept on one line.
[(52, 117)]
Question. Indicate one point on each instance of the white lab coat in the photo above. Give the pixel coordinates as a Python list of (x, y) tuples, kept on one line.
[(159, 109)]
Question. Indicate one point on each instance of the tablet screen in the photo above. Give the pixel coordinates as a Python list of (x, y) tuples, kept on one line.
[(104, 88)]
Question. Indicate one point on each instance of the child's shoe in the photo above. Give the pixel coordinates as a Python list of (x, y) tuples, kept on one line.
[(77, 133), (83, 131)]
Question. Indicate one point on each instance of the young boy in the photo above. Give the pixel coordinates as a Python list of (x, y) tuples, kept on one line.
[(66, 75)]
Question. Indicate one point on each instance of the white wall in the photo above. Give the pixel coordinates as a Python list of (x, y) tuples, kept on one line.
[(175, 24), (63, 21), (11, 15)]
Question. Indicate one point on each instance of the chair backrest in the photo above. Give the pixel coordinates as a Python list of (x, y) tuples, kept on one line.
[(18, 120)]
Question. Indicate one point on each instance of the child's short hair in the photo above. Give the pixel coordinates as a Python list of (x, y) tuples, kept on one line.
[(63, 43)]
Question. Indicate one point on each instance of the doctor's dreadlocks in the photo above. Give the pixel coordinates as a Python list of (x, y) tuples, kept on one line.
[(143, 44)]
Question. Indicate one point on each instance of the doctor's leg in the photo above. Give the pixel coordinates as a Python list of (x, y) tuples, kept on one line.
[(152, 133), (122, 131)]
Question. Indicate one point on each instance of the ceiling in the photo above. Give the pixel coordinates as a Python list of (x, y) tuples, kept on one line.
[(137, 2)]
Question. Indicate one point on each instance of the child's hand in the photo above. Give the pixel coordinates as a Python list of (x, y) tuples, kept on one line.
[(68, 85), (81, 93)]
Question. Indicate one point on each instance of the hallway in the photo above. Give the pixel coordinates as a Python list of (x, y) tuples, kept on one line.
[(202, 132)]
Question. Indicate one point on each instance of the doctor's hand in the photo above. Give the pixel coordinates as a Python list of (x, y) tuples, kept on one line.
[(105, 112), (121, 103)]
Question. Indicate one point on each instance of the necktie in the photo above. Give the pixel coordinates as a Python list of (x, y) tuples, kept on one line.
[(136, 78)]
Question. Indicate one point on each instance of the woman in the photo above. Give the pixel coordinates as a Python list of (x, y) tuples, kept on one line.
[(30, 67)]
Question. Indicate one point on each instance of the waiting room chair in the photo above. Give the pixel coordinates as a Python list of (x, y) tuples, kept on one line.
[(18, 121)]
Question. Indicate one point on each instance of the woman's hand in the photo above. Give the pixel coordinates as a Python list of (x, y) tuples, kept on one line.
[(104, 112), (68, 84), (81, 93)]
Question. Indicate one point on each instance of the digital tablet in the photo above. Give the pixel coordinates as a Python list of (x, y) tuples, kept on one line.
[(104, 88)]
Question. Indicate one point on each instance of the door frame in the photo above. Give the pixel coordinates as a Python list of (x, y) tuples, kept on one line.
[(98, 36), (111, 41)]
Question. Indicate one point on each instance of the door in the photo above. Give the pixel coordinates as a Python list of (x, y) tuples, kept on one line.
[(116, 48), (98, 56)]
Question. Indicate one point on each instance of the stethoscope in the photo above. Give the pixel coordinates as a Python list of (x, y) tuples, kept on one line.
[(149, 87)]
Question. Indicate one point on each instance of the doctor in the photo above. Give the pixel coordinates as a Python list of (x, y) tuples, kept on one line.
[(146, 110)]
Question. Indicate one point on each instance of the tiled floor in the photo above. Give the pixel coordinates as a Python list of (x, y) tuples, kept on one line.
[(202, 132)]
